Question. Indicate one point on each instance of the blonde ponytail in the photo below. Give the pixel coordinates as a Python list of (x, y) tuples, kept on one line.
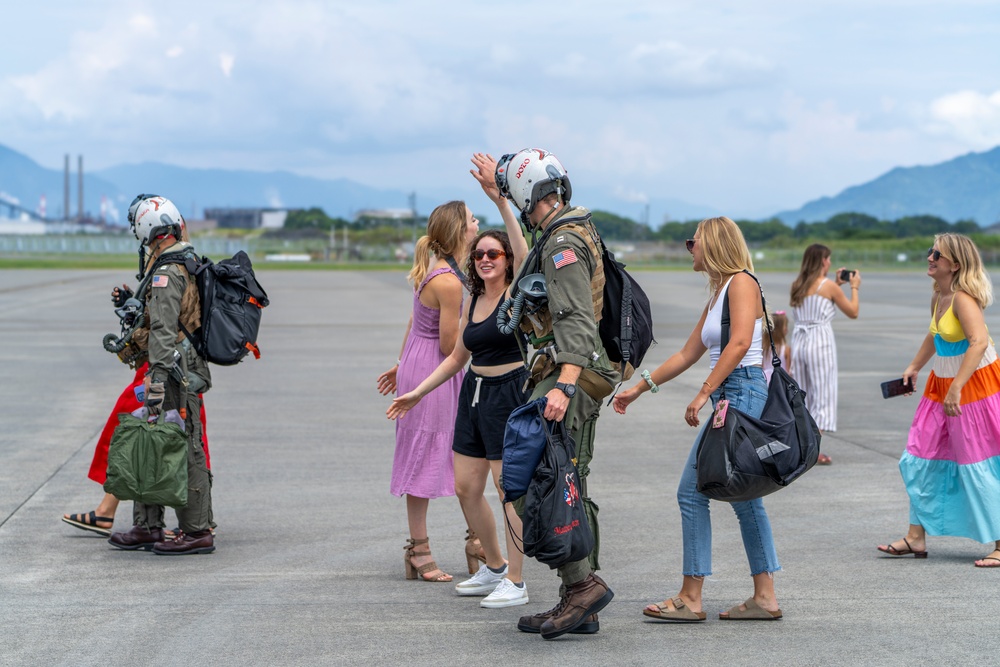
[(422, 257), (445, 237)]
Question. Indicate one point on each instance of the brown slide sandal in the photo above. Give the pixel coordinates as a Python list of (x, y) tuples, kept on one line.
[(679, 614), (753, 612)]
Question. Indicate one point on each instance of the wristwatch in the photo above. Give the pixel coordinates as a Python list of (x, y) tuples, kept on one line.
[(566, 388)]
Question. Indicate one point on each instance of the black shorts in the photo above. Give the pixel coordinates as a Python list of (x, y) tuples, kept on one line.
[(481, 421)]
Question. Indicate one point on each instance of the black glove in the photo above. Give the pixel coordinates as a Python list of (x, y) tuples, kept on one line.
[(154, 397), (119, 295)]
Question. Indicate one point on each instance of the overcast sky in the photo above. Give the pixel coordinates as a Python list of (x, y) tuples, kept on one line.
[(750, 107)]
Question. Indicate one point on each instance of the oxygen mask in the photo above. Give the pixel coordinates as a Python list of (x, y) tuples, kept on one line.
[(531, 290), (534, 288), (128, 312)]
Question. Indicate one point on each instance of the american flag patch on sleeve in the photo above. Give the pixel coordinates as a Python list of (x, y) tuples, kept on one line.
[(161, 281), (564, 258)]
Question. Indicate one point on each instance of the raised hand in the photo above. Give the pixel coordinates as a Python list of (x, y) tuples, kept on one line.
[(485, 173)]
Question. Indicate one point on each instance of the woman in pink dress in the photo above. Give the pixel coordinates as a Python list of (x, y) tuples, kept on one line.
[(422, 466)]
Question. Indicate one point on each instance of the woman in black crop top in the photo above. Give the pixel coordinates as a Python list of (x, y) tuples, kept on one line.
[(491, 390)]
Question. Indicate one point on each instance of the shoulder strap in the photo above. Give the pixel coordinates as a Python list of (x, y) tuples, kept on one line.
[(533, 262), (171, 258), (573, 220), (775, 359), (589, 236), (458, 272), (725, 323), (188, 258), (472, 306)]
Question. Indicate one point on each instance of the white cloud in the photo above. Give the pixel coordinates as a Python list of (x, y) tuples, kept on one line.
[(630, 195), (969, 116), (312, 78), (725, 104), (661, 68), (226, 62), (672, 67)]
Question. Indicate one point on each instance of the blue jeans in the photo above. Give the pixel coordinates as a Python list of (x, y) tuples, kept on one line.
[(746, 390)]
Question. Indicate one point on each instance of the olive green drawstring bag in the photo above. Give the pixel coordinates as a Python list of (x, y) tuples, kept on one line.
[(147, 462)]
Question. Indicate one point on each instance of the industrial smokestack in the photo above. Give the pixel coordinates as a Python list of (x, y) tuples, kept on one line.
[(79, 194), (66, 190)]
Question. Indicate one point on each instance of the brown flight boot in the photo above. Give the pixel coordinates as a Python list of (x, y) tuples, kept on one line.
[(582, 599), (137, 537), (200, 542), (533, 624)]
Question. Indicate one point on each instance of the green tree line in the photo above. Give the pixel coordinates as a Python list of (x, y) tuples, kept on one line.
[(773, 231), (314, 222)]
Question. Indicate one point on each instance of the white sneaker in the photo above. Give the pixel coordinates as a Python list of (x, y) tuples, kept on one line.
[(482, 582), (506, 594)]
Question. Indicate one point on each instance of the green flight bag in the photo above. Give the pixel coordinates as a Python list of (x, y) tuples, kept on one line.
[(147, 462)]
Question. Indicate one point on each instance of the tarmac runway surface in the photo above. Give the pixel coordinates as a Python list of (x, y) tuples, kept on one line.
[(308, 568)]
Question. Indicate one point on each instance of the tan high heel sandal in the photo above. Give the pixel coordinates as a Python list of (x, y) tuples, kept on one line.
[(474, 552), (412, 571)]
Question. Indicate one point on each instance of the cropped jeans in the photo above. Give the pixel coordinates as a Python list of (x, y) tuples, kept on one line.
[(746, 390)]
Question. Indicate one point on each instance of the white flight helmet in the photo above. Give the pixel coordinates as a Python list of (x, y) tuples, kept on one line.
[(135, 204), (530, 175), (156, 216)]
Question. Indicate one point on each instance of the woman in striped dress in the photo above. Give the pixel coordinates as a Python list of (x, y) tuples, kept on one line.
[(951, 465), (814, 350)]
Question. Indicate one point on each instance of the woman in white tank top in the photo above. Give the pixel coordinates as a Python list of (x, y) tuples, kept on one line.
[(719, 249)]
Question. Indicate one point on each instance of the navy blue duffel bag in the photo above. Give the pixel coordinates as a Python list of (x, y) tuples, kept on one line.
[(523, 443)]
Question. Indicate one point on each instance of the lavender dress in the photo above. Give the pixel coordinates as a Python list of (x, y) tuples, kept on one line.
[(422, 465)]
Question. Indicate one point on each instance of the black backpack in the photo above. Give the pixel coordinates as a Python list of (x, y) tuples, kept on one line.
[(626, 326), (231, 301), (626, 330)]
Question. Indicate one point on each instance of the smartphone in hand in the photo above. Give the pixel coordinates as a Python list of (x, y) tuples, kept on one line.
[(846, 274), (896, 387)]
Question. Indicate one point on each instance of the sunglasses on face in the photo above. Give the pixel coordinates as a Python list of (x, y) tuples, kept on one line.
[(935, 254), (492, 253), (689, 244)]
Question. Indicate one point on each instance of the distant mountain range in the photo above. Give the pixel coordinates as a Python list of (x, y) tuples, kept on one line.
[(967, 187), (25, 180)]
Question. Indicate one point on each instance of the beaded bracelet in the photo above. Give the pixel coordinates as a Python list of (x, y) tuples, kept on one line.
[(649, 380)]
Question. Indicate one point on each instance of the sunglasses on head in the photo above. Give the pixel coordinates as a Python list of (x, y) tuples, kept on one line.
[(935, 254), (689, 244), (492, 253)]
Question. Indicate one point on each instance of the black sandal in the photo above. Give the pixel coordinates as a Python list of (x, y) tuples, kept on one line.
[(893, 551), (89, 522)]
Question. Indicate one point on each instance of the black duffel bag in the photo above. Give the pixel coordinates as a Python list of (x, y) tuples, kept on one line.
[(555, 527), (741, 457)]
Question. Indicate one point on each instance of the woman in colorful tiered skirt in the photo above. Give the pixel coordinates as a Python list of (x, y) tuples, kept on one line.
[(951, 466)]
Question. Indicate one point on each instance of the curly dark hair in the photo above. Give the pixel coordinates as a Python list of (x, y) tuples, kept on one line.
[(476, 284)]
